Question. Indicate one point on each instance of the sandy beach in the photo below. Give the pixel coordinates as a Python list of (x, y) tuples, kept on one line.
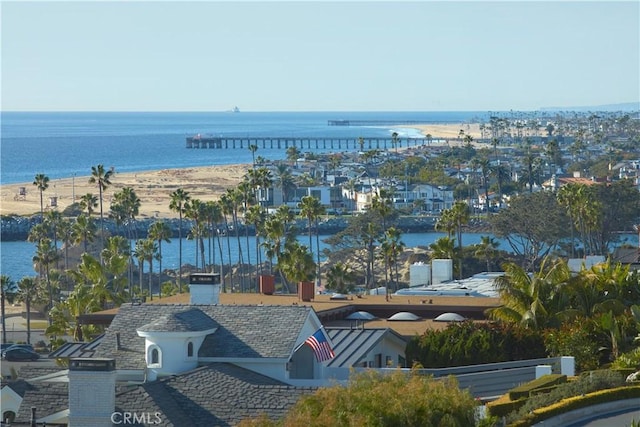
[(154, 187)]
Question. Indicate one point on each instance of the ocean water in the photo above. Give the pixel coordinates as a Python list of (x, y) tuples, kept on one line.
[(64, 144)]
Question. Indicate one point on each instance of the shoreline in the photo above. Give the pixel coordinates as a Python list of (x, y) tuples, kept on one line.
[(154, 187)]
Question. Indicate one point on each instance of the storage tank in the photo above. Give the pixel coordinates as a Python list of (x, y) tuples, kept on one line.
[(419, 274), (442, 270)]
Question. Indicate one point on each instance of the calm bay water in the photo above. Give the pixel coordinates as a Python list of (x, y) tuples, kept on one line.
[(17, 256)]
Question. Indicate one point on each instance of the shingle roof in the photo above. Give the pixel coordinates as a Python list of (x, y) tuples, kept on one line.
[(217, 394), (222, 394), (190, 320), (243, 331), (47, 397)]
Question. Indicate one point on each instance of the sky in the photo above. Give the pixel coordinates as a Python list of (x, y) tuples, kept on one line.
[(318, 56)]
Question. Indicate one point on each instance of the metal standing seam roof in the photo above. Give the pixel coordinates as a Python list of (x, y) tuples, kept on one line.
[(76, 349), (351, 345), (243, 331)]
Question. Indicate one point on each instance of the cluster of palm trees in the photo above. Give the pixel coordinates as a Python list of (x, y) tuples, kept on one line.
[(243, 207), (599, 299)]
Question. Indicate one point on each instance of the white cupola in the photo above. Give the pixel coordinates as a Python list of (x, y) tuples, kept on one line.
[(173, 340)]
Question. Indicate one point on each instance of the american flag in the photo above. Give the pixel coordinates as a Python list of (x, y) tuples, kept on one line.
[(318, 342)]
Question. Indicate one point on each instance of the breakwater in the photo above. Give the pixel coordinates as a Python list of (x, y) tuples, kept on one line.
[(16, 228)]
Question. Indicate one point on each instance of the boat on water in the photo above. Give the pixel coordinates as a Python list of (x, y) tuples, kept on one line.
[(236, 109)]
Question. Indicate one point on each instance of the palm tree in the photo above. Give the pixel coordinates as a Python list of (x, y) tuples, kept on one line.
[(102, 178), (116, 257), (124, 209), (8, 291), (179, 199), (340, 278), (293, 154), (443, 248), (256, 216), (253, 148), (461, 216), (284, 179), (160, 231), (392, 247), (487, 249), (41, 182), (47, 255), (312, 209), (533, 301), (84, 230), (54, 220), (65, 231), (195, 210), (29, 292), (394, 141), (88, 202), (144, 251), (297, 263)]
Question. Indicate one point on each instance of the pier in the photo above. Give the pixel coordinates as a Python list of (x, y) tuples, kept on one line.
[(333, 143)]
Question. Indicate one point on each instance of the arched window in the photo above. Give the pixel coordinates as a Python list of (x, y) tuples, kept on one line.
[(155, 356), (190, 349)]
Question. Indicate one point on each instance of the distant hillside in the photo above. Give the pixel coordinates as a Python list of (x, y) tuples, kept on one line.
[(627, 106)]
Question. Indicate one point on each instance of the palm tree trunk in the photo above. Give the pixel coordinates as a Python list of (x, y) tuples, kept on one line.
[(151, 278), (180, 254), (4, 325), (222, 279), (159, 268), (28, 301)]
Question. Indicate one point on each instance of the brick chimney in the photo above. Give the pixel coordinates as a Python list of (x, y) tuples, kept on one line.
[(92, 392)]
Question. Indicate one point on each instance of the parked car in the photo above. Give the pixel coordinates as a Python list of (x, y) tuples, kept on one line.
[(13, 346), (19, 353), (5, 346)]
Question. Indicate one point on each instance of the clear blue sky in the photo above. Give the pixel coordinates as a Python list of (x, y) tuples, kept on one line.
[(318, 56)]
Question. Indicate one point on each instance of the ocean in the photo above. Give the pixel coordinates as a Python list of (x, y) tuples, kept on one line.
[(65, 144)]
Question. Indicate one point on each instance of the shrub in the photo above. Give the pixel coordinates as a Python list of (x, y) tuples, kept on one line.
[(575, 340), (586, 383), (469, 343), (630, 359), (373, 399)]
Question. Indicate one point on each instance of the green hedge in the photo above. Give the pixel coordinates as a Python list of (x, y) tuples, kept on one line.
[(544, 382), (578, 402)]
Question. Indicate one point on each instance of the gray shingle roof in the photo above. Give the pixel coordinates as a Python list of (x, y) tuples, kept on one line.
[(190, 320), (47, 397), (243, 331), (217, 394)]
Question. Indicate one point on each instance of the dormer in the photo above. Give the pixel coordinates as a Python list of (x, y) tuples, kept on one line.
[(173, 340)]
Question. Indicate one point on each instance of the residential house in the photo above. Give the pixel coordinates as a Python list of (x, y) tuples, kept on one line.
[(201, 363)]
